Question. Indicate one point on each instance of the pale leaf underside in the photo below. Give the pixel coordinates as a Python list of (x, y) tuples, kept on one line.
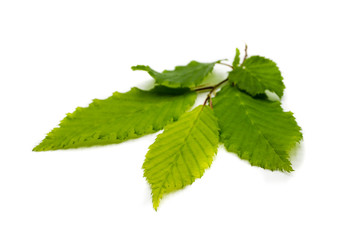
[(118, 118), (182, 152), (257, 130)]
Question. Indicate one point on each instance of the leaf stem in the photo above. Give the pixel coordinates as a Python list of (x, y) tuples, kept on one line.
[(210, 102), (246, 55), (213, 88), (225, 64), (203, 88)]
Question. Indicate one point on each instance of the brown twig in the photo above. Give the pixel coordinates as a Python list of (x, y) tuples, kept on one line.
[(246, 55), (213, 88), (225, 64)]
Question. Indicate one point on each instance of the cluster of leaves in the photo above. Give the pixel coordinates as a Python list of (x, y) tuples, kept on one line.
[(240, 116)]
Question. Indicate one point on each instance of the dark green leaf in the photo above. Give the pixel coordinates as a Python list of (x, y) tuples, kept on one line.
[(188, 76), (257, 74), (257, 130)]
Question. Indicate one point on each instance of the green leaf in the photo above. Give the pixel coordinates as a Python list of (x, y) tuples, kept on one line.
[(257, 130), (188, 76), (257, 74), (236, 61), (118, 118), (182, 152)]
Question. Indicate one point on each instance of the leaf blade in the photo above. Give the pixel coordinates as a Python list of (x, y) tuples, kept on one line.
[(257, 130), (191, 75), (188, 153), (257, 74), (236, 61), (118, 118)]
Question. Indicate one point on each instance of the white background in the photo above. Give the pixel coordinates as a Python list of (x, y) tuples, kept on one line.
[(57, 55)]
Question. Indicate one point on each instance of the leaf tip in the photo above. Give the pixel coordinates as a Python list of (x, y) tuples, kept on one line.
[(156, 203), (287, 168), (35, 149), (38, 148), (140, 67)]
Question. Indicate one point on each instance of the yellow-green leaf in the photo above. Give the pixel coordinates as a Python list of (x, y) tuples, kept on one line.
[(118, 118), (182, 152)]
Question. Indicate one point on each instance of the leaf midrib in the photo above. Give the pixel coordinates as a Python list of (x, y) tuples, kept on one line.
[(179, 153), (259, 130)]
